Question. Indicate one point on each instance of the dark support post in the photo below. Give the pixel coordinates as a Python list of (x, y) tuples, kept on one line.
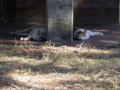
[(119, 11), (60, 20), (0, 11)]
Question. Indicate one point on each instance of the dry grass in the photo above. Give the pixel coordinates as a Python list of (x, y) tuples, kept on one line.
[(28, 67)]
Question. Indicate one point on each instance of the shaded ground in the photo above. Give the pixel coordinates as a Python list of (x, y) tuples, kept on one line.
[(111, 35)]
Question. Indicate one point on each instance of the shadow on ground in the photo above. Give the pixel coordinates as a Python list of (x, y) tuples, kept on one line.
[(111, 35)]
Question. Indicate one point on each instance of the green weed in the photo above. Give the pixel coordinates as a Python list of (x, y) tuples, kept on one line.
[(116, 84), (106, 88), (29, 70), (16, 43), (114, 46)]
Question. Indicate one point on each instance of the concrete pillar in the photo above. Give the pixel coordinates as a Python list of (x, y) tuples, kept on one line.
[(60, 20)]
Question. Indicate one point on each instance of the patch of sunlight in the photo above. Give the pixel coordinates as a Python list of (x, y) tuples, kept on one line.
[(99, 51), (109, 41), (38, 80)]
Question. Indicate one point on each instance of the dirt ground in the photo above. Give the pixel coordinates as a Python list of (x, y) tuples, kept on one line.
[(111, 35)]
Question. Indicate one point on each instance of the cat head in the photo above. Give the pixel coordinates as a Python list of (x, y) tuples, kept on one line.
[(81, 34), (40, 35)]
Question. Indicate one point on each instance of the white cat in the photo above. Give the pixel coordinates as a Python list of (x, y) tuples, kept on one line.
[(39, 33), (83, 34), (34, 32)]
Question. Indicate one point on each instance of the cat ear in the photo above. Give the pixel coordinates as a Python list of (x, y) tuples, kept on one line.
[(38, 33), (43, 35), (77, 31), (85, 31), (80, 32)]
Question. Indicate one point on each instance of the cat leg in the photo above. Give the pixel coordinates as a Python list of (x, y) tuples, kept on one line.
[(24, 32), (14, 33), (25, 39), (27, 30), (19, 33)]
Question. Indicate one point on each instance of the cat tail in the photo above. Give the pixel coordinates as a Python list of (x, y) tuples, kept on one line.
[(95, 33)]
